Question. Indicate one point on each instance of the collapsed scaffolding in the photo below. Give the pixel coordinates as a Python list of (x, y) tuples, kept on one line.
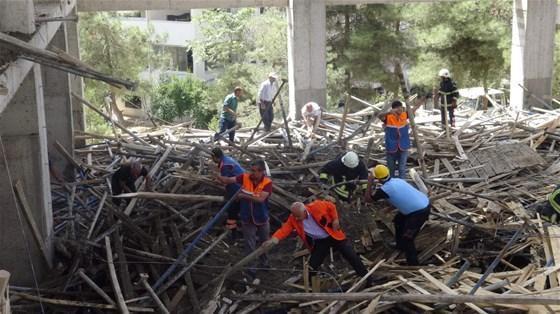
[(483, 247)]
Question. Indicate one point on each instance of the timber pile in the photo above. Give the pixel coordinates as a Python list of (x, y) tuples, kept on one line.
[(484, 247)]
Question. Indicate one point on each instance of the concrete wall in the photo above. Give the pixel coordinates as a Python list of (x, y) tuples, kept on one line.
[(17, 16), (24, 158), (58, 111)]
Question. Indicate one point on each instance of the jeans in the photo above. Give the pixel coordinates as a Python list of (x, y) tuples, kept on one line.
[(226, 125), (267, 114), (406, 230), (400, 157), (253, 235), (321, 248)]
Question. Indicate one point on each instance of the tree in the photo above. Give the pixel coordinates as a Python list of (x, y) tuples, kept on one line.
[(471, 38), (118, 51), (180, 98), (243, 46)]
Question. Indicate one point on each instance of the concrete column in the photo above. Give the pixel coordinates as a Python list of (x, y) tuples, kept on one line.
[(58, 110), (76, 82), (532, 51), (24, 158), (307, 56), (17, 16)]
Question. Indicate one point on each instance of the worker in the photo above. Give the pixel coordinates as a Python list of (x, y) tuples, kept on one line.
[(550, 210), (265, 95), (228, 118), (397, 140), (413, 209), (311, 114), (256, 189), (448, 95), (345, 167), (317, 224), (123, 179), (229, 167)]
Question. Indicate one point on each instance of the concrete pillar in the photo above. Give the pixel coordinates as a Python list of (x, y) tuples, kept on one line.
[(76, 82), (532, 51), (17, 16), (58, 110), (307, 56), (24, 158)]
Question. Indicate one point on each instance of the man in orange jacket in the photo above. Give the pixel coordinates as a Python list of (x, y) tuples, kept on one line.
[(318, 226)]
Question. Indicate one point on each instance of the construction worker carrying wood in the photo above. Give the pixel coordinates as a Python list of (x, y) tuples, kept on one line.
[(265, 95), (256, 189), (345, 167), (448, 95), (311, 114), (550, 210), (413, 209), (228, 118), (397, 140), (317, 224), (124, 178), (229, 167)]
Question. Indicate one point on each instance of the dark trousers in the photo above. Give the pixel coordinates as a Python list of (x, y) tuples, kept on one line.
[(450, 112), (255, 235), (224, 126), (117, 189), (321, 249), (406, 230), (267, 114)]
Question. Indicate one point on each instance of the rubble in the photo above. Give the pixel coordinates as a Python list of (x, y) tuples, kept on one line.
[(483, 249)]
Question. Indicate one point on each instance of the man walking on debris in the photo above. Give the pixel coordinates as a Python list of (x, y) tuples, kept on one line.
[(124, 178), (448, 95), (345, 167), (412, 205), (228, 117), (229, 167), (256, 189), (311, 114), (550, 210), (318, 226), (266, 93), (397, 140)]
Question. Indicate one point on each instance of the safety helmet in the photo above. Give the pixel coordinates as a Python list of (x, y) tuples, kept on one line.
[(381, 172), (444, 73), (350, 160)]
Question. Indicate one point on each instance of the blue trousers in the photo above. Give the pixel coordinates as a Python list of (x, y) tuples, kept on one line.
[(226, 125), (397, 159)]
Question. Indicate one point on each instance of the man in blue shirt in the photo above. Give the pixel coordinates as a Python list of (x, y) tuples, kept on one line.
[(228, 117), (229, 167), (413, 207)]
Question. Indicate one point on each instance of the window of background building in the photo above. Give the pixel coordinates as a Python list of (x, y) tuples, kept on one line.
[(185, 17)]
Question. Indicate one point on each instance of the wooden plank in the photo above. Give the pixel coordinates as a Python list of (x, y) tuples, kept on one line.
[(554, 232), (31, 221)]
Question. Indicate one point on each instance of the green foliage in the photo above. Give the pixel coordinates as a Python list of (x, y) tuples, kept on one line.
[(180, 98), (243, 47), (111, 48), (471, 38), (556, 77)]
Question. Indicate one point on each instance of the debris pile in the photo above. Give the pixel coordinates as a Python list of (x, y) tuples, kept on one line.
[(483, 248)]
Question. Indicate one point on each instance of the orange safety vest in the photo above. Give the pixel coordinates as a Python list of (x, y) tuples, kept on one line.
[(256, 213), (323, 212), (396, 132)]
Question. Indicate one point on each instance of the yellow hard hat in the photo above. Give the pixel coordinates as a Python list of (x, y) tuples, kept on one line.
[(381, 172)]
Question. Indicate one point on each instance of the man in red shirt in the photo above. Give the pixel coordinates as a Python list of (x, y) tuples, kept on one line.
[(317, 224), (256, 189)]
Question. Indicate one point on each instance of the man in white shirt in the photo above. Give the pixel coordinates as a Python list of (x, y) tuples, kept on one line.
[(267, 90), (311, 113)]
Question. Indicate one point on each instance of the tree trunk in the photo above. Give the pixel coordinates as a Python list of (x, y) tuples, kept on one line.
[(115, 109)]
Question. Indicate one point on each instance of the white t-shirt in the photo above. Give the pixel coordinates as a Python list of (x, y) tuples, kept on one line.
[(316, 112), (267, 90)]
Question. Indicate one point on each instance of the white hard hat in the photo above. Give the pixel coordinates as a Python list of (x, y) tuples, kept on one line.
[(444, 73), (273, 75), (350, 160)]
